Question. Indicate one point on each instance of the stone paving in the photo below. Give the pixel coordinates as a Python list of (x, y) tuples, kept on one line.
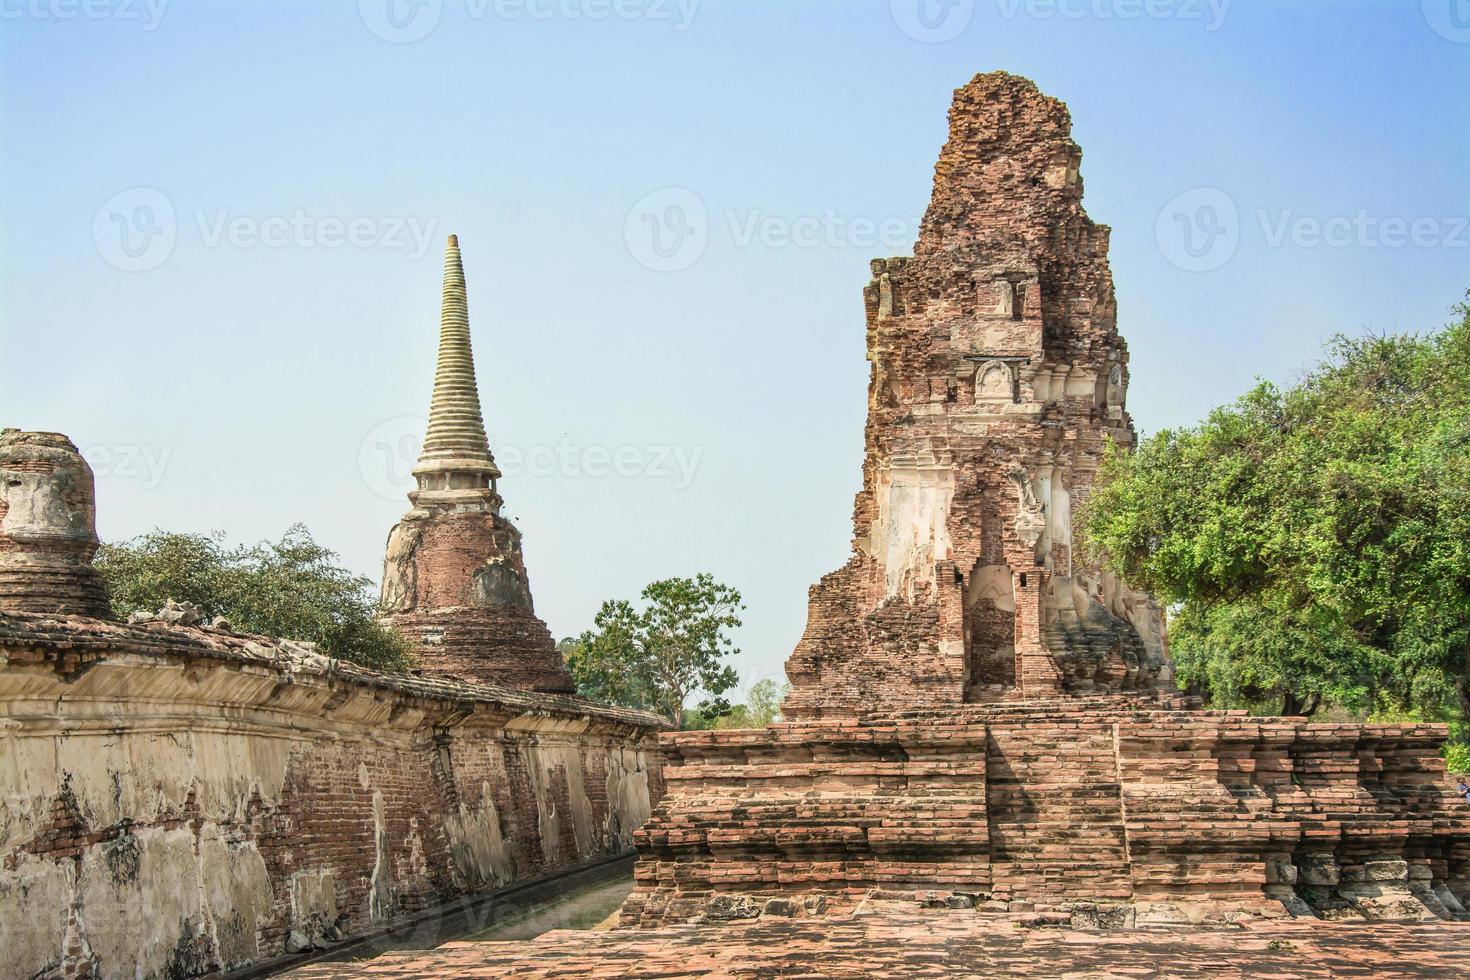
[(908, 943)]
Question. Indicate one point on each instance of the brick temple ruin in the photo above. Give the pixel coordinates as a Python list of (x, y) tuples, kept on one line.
[(979, 718), (982, 730), (454, 581), (180, 798)]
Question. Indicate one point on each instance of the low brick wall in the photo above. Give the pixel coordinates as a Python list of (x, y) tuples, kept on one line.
[(175, 801)]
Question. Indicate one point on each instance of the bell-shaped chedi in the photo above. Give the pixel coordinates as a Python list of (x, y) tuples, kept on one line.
[(997, 377), (48, 532), (454, 581)]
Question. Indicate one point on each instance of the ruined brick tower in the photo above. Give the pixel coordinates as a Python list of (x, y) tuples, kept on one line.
[(979, 719), (454, 581), (997, 376)]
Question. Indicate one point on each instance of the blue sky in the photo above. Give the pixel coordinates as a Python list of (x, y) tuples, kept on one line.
[(221, 231)]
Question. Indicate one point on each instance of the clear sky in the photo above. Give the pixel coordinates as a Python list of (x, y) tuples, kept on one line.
[(223, 227)]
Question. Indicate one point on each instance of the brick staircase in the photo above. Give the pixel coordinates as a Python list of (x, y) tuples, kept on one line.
[(1038, 674), (1054, 807)]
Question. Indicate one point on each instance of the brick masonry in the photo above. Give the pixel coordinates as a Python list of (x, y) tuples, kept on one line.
[(886, 941), (1156, 815), (180, 800), (177, 800), (454, 579), (979, 718), (47, 526), (997, 377)]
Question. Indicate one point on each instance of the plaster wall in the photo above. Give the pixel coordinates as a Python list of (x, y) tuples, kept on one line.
[(163, 815)]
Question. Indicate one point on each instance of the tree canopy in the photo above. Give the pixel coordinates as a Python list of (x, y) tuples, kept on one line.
[(762, 705), (1313, 542), (292, 588), (661, 655)]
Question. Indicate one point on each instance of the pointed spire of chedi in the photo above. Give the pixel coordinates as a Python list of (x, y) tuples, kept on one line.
[(455, 467), (454, 579)]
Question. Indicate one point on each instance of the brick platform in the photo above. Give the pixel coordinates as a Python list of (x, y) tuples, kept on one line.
[(896, 943), (1076, 807)]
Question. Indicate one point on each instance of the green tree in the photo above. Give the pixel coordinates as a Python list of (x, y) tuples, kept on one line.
[(1313, 542), (661, 655), (292, 588), (762, 706)]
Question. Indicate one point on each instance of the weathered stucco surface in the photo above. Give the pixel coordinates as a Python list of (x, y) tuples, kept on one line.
[(176, 800)]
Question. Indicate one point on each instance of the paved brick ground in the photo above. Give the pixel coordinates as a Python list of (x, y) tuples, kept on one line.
[(928, 944)]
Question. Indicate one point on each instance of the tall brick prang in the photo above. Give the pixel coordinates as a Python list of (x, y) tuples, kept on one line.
[(997, 377), (48, 531), (454, 581)]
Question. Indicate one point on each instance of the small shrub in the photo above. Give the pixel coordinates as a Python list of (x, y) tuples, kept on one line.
[(1457, 757)]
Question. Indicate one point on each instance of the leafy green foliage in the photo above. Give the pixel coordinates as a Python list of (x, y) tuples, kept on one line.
[(1313, 542), (292, 588), (762, 706), (662, 654)]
